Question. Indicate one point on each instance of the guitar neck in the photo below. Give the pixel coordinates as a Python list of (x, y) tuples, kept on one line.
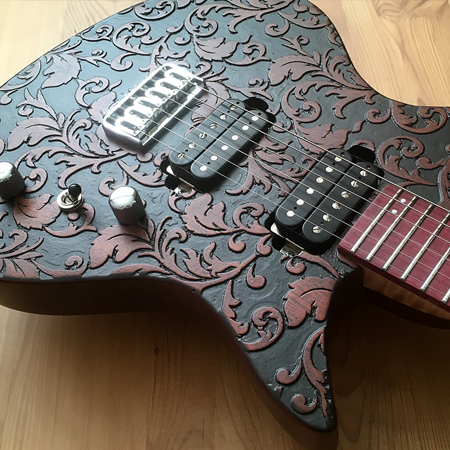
[(405, 239)]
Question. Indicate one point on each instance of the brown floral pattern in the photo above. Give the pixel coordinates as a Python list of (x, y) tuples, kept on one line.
[(286, 53)]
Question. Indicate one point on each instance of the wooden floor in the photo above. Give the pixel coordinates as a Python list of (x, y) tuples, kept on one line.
[(146, 381)]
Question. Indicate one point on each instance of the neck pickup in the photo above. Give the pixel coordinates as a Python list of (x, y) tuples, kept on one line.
[(407, 240)]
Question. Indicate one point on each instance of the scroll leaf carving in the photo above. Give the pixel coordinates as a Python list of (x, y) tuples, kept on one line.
[(215, 49), (17, 259), (308, 296), (229, 301), (64, 68), (261, 319), (32, 131), (118, 242), (203, 217), (35, 212)]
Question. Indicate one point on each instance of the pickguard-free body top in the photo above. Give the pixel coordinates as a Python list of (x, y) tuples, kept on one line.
[(215, 243)]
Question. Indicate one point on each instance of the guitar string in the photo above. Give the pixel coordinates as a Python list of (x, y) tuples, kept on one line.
[(410, 207), (311, 171), (280, 206), (307, 220), (339, 220), (274, 124)]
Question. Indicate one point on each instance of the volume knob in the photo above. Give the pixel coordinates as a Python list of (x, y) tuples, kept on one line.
[(11, 182), (127, 205)]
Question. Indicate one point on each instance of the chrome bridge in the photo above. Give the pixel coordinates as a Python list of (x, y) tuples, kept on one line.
[(147, 110)]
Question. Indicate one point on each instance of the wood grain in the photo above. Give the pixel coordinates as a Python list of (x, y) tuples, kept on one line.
[(147, 381), (398, 46)]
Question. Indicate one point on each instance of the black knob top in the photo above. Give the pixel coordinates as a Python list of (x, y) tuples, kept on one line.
[(74, 191)]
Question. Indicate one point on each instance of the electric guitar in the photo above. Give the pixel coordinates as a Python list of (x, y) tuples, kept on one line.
[(249, 239)]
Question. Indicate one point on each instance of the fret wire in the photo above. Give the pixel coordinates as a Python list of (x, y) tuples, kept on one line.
[(406, 238), (435, 270), (424, 248), (375, 221), (446, 297), (390, 228)]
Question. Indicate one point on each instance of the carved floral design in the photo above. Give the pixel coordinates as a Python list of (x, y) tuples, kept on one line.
[(284, 52), (36, 212), (17, 260), (406, 147), (308, 296)]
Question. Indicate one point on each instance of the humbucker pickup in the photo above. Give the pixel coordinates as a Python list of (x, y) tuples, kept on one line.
[(222, 138), (149, 107), (316, 211)]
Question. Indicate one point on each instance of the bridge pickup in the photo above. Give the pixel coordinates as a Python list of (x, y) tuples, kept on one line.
[(203, 156), (317, 210), (149, 107)]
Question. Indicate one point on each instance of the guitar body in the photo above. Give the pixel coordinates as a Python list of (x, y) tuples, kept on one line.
[(210, 253)]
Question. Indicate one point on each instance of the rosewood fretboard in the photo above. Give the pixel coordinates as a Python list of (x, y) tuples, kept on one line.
[(407, 239)]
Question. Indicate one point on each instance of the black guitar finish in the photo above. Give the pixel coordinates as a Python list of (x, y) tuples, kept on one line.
[(215, 242)]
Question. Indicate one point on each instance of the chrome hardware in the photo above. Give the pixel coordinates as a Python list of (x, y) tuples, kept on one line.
[(151, 105), (127, 205), (11, 181), (71, 198)]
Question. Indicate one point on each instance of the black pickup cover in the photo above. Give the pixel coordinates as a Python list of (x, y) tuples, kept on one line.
[(210, 149), (316, 211)]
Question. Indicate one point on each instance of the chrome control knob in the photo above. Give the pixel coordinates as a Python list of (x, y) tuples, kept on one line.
[(11, 182), (127, 205)]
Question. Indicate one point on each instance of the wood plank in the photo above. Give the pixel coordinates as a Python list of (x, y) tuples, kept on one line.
[(398, 46), (133, 381)]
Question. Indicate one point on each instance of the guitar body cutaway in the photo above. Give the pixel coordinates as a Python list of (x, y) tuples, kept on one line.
[(206, 251)]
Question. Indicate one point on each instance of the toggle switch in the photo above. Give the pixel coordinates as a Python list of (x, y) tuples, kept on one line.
[(70, 198)]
